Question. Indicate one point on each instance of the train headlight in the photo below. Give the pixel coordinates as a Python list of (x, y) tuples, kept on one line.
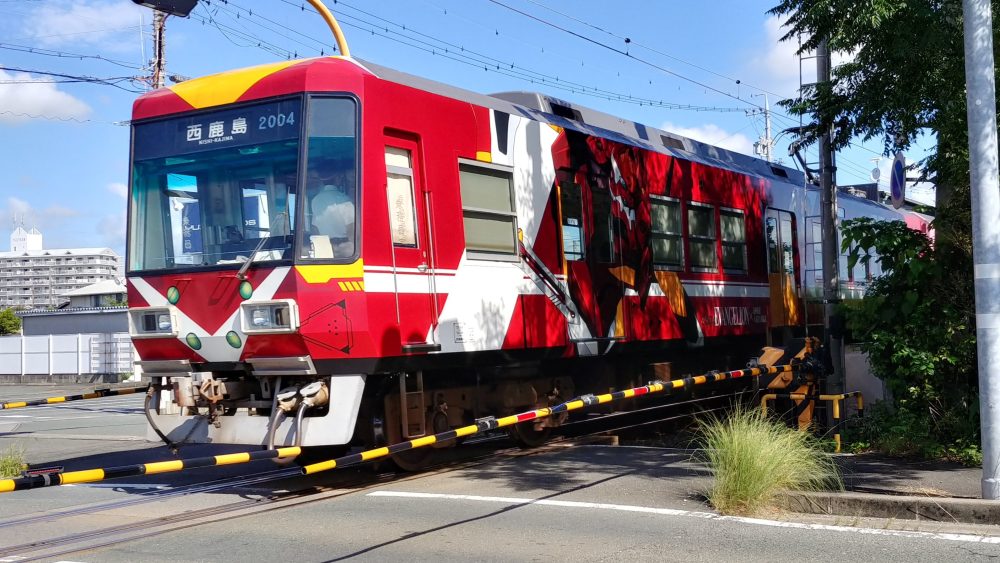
[(148, 322), (270, 316)]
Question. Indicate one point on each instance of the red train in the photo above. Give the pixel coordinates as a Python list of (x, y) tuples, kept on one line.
[(324, 251)]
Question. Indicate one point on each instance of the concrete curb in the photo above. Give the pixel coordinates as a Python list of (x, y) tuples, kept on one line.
[(935, 509)]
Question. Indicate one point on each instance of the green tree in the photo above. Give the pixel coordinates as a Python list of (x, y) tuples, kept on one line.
[(906, 78), (9, 322)]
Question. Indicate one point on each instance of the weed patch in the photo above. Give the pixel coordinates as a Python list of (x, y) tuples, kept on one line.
[(752, 457)]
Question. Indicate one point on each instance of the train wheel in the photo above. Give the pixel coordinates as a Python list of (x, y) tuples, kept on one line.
[(527, 436), (415, 460)]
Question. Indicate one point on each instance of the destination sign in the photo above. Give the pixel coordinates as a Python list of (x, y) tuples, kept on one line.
[(238, 127)]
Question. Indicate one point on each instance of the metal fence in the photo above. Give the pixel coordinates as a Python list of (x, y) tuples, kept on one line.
[(66, 355)]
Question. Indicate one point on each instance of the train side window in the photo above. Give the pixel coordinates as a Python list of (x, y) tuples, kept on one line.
[(488, 211), (572, 220), (667, 239), (734, 240), (701, 238), (771, 233), (603, 239), (399, 192)]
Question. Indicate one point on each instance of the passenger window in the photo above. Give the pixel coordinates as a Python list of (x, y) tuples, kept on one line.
[(488, 211), (701, 237), (399, 192), (572, 221), (668, 248), (734, 242), (603, 239)]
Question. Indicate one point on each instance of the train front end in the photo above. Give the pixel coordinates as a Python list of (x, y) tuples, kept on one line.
[(244, 209)]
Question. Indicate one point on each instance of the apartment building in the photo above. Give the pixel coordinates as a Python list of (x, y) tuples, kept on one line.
[(32, 277)]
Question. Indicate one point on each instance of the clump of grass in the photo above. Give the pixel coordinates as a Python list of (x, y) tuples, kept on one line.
[(11, 461), (752, 457)]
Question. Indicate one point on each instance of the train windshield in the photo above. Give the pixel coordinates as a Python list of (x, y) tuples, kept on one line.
[(208, 188)]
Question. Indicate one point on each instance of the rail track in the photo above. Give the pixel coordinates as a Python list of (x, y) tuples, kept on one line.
[(301, 491)]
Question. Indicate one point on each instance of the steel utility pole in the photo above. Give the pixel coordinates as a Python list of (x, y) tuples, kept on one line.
[(159, 49), (983, 171), (831, 242), (764, 147)]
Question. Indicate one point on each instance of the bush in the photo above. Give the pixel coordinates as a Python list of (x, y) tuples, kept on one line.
[(916, 323), (11, 462), (901, 432), (752, 457)]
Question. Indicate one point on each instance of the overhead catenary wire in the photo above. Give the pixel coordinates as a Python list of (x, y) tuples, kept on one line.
[(113, 81), (65, 55), (407, 35)]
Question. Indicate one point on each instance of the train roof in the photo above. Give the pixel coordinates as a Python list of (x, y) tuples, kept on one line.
[(248, 83), (548, 109)]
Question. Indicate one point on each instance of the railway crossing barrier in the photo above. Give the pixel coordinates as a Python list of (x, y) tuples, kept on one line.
[(96, 394), (838, 420), (481, 425)]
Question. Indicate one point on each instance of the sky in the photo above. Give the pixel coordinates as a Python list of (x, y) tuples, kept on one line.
[(699, 69)]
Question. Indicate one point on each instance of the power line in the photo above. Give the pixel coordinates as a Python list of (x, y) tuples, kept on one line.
[(67, 119), (64, 54), (434, 45), (114, 81), (632, 42)]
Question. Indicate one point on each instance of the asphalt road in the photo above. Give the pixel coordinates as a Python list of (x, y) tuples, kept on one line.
[(586, 503)]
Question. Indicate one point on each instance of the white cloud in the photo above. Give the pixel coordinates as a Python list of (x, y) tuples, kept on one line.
[(17, 206), (86, 22), (112, 230), (777, 69), (23, 95), (713, 135), (119, 189)]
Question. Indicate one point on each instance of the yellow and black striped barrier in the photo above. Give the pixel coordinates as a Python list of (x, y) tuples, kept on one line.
[(491, 423), (96, 394), (91, 475), (834, 400), (481, 425)]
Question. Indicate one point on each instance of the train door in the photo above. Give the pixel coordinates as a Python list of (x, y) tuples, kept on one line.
[(591, 257), (779, 232), (412, 248)]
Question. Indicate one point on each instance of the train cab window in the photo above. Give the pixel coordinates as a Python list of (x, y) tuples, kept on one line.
[(399, 192), (701, 238), (667, 238), (210, 189), (488, 211), (734, 241), (331, 198)]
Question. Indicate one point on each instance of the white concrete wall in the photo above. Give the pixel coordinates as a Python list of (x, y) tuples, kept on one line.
[(66, 354)]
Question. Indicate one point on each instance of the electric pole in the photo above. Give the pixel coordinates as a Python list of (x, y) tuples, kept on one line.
[(984, 171), (831, 241), (159, 49), (765, 145)]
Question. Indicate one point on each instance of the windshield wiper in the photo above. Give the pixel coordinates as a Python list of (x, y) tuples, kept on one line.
[(242, 273)]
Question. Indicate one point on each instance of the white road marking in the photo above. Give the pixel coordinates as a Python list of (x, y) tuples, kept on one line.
[(694, 514)]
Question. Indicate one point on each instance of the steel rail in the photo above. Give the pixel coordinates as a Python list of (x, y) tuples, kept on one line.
[(492, 423), (481, 425)]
